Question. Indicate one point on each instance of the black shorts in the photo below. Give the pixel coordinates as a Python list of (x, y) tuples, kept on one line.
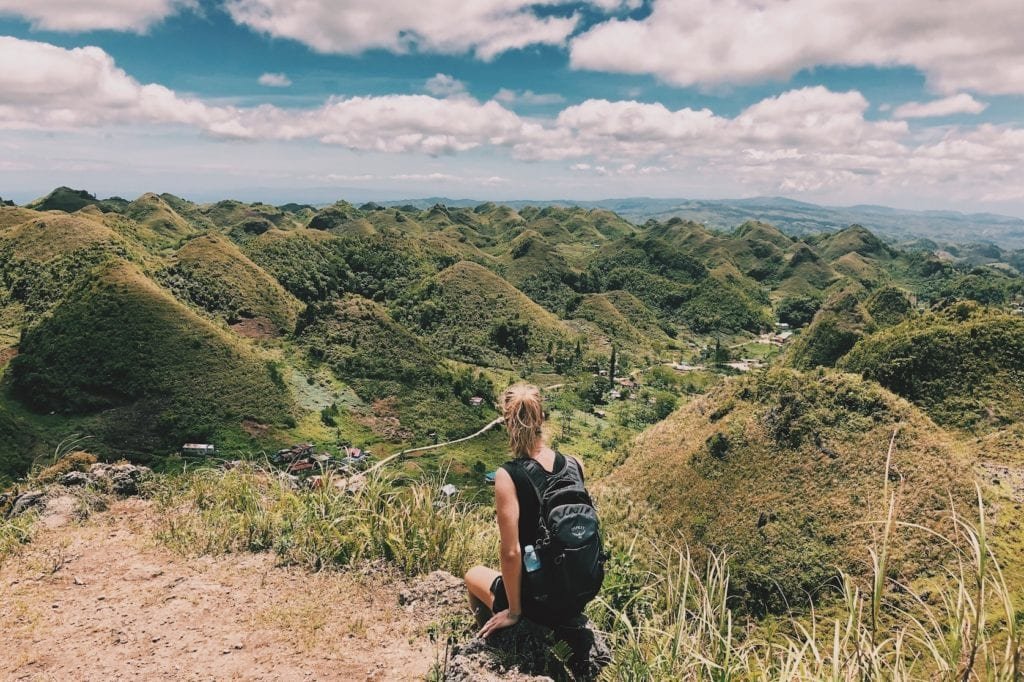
[(532, 609)]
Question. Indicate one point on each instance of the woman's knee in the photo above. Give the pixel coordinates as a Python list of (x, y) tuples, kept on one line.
[(476, 573)]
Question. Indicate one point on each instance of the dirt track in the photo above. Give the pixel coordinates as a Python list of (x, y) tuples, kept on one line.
[(101, 601)]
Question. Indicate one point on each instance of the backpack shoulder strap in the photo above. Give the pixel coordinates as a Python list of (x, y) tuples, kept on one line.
[(578, 466), (535, 475)]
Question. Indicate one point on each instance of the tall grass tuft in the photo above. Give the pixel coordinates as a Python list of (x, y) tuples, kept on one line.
[(667, 615), (210, 511), (963, 626), (16, 532)]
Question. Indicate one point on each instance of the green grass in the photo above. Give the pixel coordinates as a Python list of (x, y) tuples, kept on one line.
[(157, 372), (668, 615), (211, 273), (210, 511), (733, 469), (964, 365), (15, 533)]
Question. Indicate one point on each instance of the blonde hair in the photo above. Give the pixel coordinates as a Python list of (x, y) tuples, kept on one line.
[(523, 410)]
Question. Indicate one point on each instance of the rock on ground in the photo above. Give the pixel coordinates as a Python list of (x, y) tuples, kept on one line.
[(524, 652)]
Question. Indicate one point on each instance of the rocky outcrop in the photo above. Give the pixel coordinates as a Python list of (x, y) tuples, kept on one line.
[(525, 652)]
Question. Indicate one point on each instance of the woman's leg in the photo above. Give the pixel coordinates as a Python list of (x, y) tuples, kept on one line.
[(478, 581)]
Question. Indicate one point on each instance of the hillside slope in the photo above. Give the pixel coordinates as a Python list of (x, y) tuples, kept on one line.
[(211, 272), (778, 469), (964, 365), (159, 373)]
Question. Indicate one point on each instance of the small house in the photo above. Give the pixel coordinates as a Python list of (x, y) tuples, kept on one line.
[(490, 477), (197, 450), (615, 394), (448, 490), (301, 465), (600, 413), (476, 401)]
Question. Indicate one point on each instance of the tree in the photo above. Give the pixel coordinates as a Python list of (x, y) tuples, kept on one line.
[(611, 369)]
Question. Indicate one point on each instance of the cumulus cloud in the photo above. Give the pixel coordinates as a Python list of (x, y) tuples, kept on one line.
[(947, 106), (958, 45), (275, 80), (485, 28), (528, 97), (808, 140), (58, 88), (66, 89), (443, 85), (92, 15)]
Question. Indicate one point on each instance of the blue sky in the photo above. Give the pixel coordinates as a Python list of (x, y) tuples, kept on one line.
[(507, 99)]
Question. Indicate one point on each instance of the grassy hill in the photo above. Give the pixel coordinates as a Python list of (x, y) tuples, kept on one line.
[(471, 314), (836, 327), (154, 372), (777, 469), (160, 224), (211, 273), (622, 317), (63, 199), (43, 259), (963, 365)]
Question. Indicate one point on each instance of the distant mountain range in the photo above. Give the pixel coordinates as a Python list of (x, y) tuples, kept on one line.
[(797, 217)]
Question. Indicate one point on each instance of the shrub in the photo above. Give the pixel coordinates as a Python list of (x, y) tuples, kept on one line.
[(73, 461)]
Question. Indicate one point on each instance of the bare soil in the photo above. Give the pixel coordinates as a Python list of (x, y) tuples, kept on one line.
[(7, 354), (99, 600), (259, 328)]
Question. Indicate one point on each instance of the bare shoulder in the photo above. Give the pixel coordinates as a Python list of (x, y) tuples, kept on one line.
[(503, 482)]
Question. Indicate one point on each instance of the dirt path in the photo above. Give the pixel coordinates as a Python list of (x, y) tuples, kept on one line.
[(100, 601)]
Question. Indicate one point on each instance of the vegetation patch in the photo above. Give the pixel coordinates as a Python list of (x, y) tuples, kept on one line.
[(964, 364), (781, 480)]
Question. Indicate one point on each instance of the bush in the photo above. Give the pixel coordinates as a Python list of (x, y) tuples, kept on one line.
[(73, 461)]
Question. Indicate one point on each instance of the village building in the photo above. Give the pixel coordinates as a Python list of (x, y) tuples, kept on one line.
[(197, 450), (476, 401)]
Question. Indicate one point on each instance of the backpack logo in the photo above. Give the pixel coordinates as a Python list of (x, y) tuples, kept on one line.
[(578, 531)]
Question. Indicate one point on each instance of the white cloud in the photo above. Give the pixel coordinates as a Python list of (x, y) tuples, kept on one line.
[(484, 27), (53, 87), (947, 106), (958, 45), (528, 97), (275, 80), (67, 89), (443, 85), (811, 140), (92, 15)]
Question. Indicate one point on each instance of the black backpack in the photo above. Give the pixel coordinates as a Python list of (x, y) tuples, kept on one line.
[(569, 543)]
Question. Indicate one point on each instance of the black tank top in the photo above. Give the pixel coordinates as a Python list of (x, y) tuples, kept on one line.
[(529, 505)]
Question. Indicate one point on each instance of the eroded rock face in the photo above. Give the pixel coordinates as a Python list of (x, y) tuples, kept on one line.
[(73, 479), (25, 501), (124, 479)]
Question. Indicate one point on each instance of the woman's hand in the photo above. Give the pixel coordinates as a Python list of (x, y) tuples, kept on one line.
[(499, 621)]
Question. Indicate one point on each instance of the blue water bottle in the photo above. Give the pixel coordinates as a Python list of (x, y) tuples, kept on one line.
[(530, 559), (533, 582)]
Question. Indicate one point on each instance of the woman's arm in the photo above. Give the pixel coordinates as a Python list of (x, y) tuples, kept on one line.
[(511, 555)]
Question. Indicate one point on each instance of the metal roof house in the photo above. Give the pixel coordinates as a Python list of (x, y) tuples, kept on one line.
[(197, 449)]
